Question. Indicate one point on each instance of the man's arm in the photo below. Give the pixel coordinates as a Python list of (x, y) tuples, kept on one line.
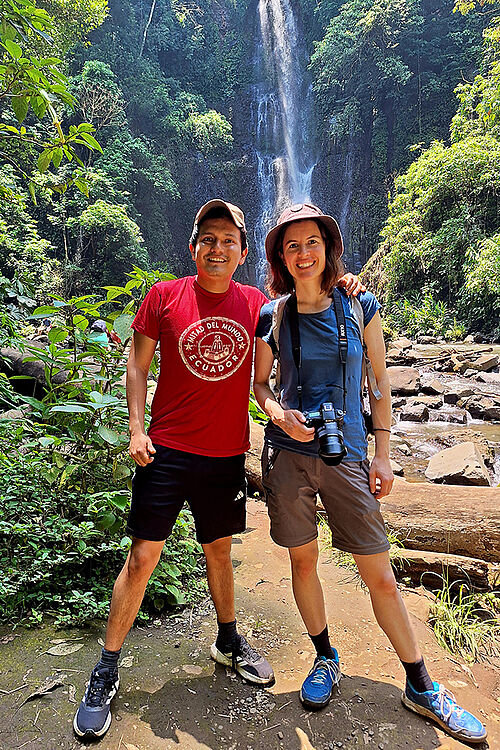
[(141, 353)]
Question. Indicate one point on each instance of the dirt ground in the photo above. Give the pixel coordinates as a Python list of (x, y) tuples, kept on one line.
[(172, 696)]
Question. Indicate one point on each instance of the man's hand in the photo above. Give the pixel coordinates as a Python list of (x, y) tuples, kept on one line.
[(381, 477), (292, 422), (351, 284), (141, 449)]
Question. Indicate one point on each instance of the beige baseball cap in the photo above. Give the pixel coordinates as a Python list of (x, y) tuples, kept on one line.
[(236, 213)]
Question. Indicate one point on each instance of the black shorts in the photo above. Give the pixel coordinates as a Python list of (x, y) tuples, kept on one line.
[(214, 488)]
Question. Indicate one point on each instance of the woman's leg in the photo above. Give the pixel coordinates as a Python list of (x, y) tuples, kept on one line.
[(307, 587), (388, 606)]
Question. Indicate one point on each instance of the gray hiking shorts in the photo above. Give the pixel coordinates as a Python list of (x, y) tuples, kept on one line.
[(292, 482)]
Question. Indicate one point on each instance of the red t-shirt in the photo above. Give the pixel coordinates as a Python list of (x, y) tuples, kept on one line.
[(206, 348)]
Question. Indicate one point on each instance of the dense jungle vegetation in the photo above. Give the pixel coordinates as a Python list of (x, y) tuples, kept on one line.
[(108, 147)]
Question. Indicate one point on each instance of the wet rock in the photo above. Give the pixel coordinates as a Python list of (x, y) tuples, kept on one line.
[(404, 380), (434, 387), (483, 407), (427, 340), (489, 377), (469, 339), (461, 464), (470, 373), (401, 343), (486, 362), (459, 364), (432, 402), (455, 416), (455, 394), (415, 413), (397, 469)]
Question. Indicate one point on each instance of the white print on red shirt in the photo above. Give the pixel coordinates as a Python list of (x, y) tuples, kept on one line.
[(214, 348)]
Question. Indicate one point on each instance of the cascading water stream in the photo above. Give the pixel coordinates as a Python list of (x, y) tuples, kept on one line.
[(281, 115)]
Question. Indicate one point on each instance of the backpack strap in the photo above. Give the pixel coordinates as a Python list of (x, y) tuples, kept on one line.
[(366, 367), (278, 312)]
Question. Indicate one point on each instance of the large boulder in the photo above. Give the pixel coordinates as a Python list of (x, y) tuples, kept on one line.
[(434, 387), (414, 413), (455, 394), (483, 407), (401, 343), (404, 380), (453, 519), (461, 464), (455, 416), (486, 362)]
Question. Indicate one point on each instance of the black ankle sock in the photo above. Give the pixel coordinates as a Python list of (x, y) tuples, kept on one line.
[(418, 675), (226, 635), (322, 644), (109, 659)]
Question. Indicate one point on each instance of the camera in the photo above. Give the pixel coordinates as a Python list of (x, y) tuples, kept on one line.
[(328, 423)]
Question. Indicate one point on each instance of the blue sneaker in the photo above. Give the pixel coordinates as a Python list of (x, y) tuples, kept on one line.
[(440, 704), (317, 688)]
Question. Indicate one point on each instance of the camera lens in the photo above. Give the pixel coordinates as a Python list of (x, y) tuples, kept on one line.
[(331, 444)]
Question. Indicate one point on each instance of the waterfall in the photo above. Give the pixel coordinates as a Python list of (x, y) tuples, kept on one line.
[(281, 118)]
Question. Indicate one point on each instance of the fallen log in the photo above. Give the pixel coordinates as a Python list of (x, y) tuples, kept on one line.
[(430, 569), (451, 519)]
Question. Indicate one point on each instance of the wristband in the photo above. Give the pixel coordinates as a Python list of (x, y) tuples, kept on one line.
[(380, 429)]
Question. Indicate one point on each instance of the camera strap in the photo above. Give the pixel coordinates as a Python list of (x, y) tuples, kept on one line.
[(297, 350)]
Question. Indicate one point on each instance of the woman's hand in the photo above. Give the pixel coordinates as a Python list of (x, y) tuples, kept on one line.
[(292, 421), (381, 477), (351, 284)]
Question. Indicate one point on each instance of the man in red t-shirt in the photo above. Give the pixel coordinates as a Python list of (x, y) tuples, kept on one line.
[(195, 446)]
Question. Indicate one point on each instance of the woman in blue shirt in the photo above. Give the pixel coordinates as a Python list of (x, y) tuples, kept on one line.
[(304, 251)]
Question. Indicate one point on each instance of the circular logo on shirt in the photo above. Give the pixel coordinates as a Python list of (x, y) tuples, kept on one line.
[(214, 348)]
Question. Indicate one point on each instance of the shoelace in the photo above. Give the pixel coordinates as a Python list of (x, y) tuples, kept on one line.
[(98, 685), (332, 668), (446, 698), (241, 647)]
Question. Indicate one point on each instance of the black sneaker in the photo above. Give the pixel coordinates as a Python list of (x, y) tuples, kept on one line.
[(245, 660), (94, 714)]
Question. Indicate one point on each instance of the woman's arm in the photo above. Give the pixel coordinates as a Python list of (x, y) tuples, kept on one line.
[(381, 476), (290, 420)]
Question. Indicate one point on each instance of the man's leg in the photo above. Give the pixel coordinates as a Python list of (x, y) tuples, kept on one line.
[(421, 694), (317, 688), (93, 716), (220, 577), (129, 588), (231, 648)]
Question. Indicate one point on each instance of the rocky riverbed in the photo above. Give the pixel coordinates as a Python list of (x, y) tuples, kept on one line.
[(446, 400)]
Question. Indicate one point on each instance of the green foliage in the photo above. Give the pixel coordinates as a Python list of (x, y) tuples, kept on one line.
[(466, 623), (423, 315), (110, 240), (63, 547), (442, 234), (64, 469), (32, 81)]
